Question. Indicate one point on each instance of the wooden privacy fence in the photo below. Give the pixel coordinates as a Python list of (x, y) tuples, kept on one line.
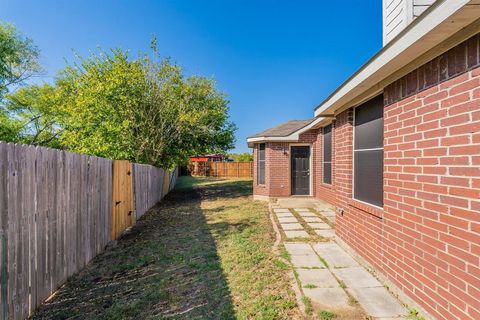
[(151, 185), (57, 211), (222, 169)]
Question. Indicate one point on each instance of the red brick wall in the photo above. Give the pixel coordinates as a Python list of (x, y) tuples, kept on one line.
[(432, 184), (426, 240), (277, 166), (279, 171)]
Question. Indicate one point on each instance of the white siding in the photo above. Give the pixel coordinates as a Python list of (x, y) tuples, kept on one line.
[(397, 14), (421, 5)]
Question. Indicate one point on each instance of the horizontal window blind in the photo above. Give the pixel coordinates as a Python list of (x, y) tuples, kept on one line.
[(261, 164), (327, 154), (368, 152)]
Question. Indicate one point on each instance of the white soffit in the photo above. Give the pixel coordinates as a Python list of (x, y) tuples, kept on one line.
[(441, 21)]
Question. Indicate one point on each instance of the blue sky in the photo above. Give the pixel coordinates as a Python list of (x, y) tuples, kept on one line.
[(275, 60)]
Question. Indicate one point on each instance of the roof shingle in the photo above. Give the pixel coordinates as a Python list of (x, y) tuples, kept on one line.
[(284, 129)]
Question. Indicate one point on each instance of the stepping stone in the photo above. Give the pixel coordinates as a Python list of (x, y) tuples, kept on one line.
[(296, 234), (378, 302), (307, 261), (299, 249), (335, 256), (287, 219), (280, 210), (329, 233), (328, 213), (322, 278), (291, 226), (302, 209), (307, 214), (284, 214), (356, 277), (312, 219), (320, 225), (329, 298)]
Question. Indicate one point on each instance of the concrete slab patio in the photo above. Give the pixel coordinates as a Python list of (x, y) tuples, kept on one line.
[(287, 219), (322, 278), (329, 297), (329, 233), (319, 225), (356, 277), (378, 302), (312, 219), (322, 266), (284, 214), (291, 226), (299, 249), (335, 256), (291, 234)]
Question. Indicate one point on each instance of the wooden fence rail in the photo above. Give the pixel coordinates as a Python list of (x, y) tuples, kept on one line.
[(57, 211), (222, 169)]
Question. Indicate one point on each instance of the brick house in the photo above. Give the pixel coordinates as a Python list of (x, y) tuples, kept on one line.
[(396, 150)]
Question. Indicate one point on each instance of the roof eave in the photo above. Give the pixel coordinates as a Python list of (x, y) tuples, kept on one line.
[(293, 137), (410, 49)]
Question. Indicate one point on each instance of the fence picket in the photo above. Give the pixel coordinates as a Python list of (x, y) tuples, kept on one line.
[(56, 214), (222, 169)]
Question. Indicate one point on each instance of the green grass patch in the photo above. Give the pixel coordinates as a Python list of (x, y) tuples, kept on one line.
[(325, 263), (413, 315), (307, 302), (352, 301), (326, 315), (203, 253), (284, 254), (310, 286), (281, 265)]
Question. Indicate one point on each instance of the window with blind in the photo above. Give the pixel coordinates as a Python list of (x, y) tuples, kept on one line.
[(368, 152), (327, 154), (261, 164)]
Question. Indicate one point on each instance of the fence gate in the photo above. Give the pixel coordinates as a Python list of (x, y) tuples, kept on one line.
[(122, 197)]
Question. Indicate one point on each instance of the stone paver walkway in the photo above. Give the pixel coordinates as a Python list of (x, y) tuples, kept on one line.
[(290, 224), (328, 275)]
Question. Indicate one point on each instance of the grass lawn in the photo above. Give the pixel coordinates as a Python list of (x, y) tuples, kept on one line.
[(203, 253)]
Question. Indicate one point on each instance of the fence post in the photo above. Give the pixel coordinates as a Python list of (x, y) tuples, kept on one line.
[(122, 197)]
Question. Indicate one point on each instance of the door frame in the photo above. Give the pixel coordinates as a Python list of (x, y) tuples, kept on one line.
[(310, 164)]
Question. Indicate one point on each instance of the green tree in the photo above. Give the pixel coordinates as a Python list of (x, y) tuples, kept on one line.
[(18, 58), (143, 110), (18, 62), (34, 114), (241, 157)]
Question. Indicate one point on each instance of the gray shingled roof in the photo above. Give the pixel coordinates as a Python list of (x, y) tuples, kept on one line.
[(284, 129)]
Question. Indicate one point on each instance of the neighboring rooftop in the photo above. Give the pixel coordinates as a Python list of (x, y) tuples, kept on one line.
[(283, 130)]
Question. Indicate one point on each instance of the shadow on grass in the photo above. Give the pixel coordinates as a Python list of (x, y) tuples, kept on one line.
[(167, 266)]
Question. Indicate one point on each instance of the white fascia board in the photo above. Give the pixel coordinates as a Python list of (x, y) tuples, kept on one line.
[(423, 35)]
